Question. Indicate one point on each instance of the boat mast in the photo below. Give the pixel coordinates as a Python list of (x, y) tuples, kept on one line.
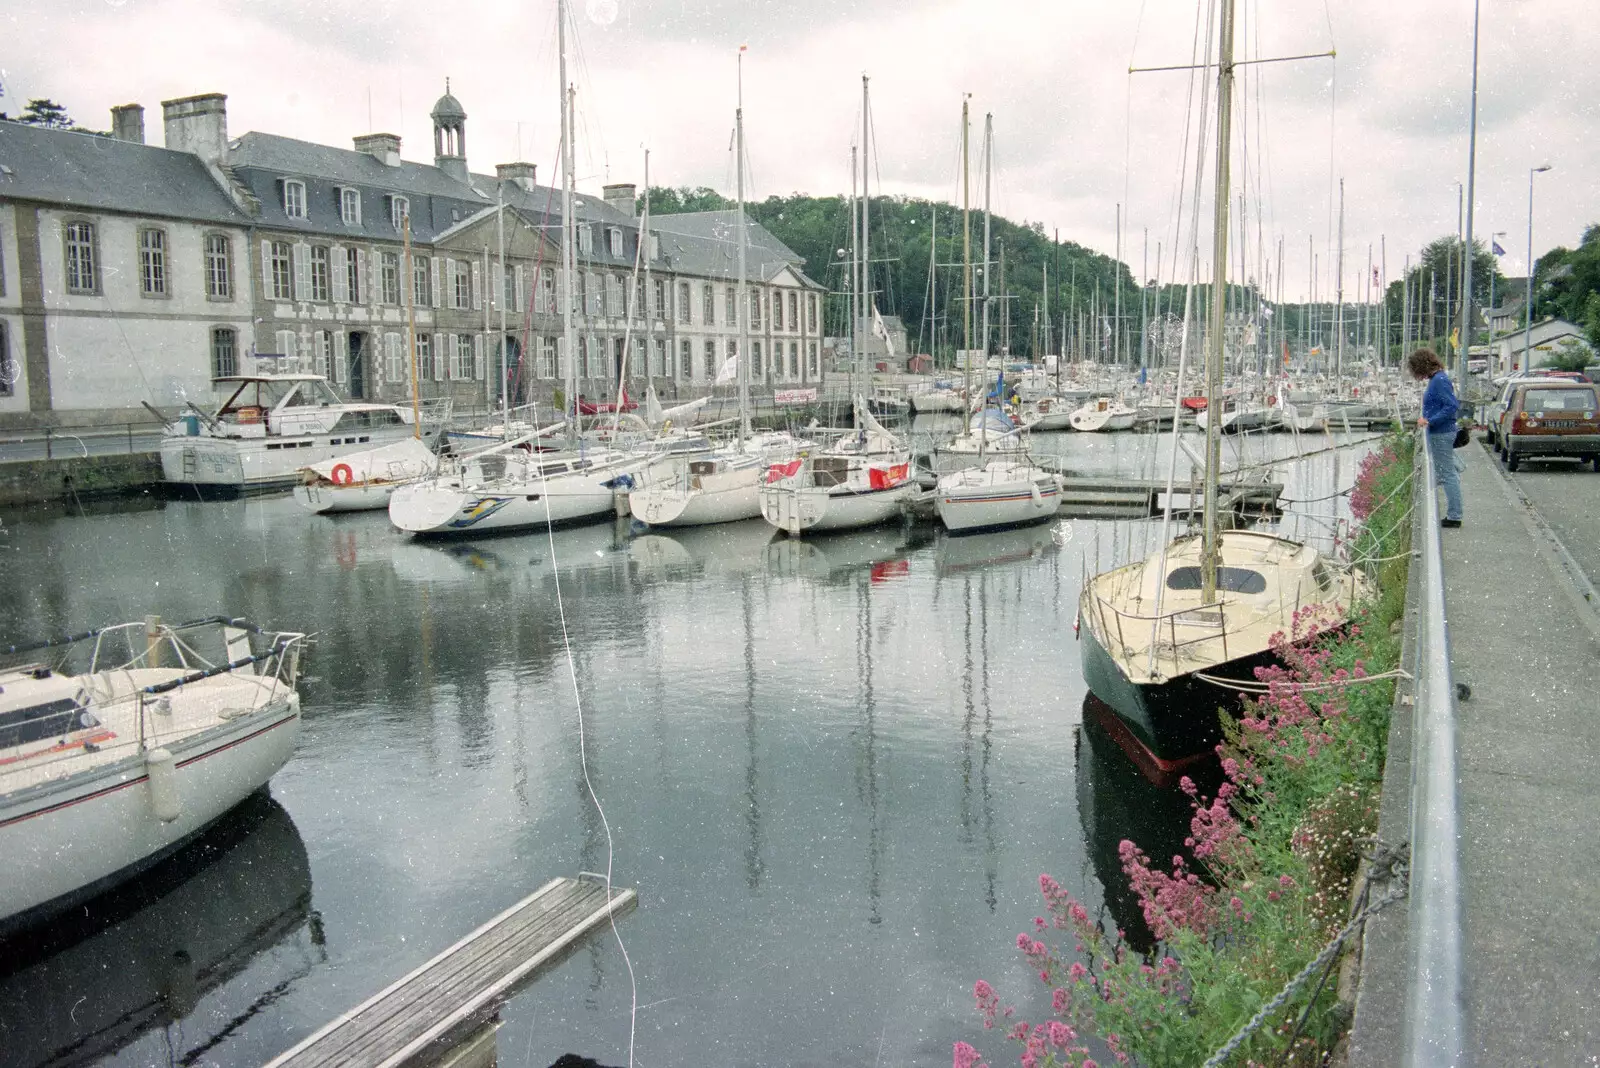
[(933, 284), (988, 149), (966, 272), (500, 299), (569, 333), (1338, 299), (742, 301), (868, 306), (1210, 549), (854, 284), (643, 311)]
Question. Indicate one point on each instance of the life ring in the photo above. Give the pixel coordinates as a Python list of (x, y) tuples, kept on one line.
[(342, 475)]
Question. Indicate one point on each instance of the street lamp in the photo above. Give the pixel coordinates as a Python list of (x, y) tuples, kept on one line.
[(1527, 312)]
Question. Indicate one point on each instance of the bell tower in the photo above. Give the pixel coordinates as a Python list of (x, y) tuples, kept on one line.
[(450, 136)]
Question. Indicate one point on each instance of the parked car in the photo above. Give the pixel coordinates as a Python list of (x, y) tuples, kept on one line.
[(1507, 386), (1552, 417)]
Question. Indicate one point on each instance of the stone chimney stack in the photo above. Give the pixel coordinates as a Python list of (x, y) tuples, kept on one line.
[(383, 147), (198, 124), (524, 174), (621, 196), (127, 123)]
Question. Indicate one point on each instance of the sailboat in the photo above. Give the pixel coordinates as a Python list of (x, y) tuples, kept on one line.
[(1162, 637)]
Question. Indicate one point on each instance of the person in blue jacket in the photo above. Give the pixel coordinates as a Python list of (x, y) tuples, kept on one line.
[(1439, 410)]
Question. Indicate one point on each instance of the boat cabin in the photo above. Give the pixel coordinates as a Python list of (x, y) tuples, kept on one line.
[(290, 404)]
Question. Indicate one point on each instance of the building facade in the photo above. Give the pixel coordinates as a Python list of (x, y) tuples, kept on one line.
[(131, 273)]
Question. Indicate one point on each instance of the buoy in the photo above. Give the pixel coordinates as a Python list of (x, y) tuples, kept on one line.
[(342, 475), (162, 771)]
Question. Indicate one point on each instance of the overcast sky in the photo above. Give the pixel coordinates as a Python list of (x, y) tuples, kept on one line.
[(1074, 133)]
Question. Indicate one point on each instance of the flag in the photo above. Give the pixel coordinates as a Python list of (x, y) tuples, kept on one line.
[(1498, 251), (1377, 279), (879, 330), (782, 471), (1455, 339), (883, 478)]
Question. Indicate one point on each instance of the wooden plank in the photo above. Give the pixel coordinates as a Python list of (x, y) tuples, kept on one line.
[(456, 987)]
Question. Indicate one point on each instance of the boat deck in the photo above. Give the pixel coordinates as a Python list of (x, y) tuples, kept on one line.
[(444, 999)]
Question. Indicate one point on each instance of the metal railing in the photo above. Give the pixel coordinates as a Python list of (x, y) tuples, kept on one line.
[(77, 442), (1435, 1016)]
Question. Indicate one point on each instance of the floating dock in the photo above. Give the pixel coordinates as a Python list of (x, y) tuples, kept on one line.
[(1110, 497), (417, 1018)]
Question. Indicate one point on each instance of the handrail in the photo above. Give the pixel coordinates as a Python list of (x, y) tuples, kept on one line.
[(1435, 1024)]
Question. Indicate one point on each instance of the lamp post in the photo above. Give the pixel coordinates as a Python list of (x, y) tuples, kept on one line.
[(1527, 311)]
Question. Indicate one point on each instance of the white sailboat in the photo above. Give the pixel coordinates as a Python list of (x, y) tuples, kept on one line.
[(363, 481), (106, 769), (999, 494), (1156, 633), (1102, 414)]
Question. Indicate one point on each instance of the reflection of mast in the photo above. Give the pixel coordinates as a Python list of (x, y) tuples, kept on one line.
[(753, 864), (990, 853), (869, 708), (975, 688)]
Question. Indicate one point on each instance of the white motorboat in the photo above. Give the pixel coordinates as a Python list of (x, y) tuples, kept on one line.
[(364, 481), (1102, 414), (108, 768), (858, 482), (939, 397), (270, 428), (1236, 416), (1002, 493)]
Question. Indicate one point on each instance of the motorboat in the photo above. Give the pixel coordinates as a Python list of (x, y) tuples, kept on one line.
[(1047, 413), (127, 742), (1001, 493), (1235, 415), (936, 397), (364, 481), (1102, 414), (273, 426)]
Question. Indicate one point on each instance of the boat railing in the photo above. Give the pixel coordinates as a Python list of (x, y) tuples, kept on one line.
[(1212, 617), (1435, 1028)]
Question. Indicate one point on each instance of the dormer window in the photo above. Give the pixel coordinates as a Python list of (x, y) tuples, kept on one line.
[(655, 247), (294, 198), (350, 206), (399, 208), (614, 236), (585, 239)]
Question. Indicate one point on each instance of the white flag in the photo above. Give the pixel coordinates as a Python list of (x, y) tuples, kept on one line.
[(728, 371), (881, 331)]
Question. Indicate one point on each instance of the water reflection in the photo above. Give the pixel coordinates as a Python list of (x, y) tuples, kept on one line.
[(140, 959)]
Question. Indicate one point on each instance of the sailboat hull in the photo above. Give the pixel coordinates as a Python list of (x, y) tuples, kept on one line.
[(1173, 721), (813, 509), (679, 506)]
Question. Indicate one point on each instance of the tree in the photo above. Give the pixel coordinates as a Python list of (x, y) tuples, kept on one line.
[(1435, 282), (42, 111), (1567, 279)]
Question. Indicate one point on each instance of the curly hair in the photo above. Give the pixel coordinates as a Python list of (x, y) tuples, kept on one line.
[(1424, 364)]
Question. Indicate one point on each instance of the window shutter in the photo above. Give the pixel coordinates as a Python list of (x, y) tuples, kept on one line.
[(339, 280), (477, 357), (341, 357), (561, 290), (266, 270), (476, 284), (438, 298), (302, 271), (361, 273), (374, 263), (522, 302), (438, 356)]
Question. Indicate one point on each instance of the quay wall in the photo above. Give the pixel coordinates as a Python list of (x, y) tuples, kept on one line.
[(43, 481)]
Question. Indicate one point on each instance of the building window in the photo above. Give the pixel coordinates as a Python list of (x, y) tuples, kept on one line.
[(595, 363), (658, 357), (655, 247), (585, 239), (323, 352), (813, 359), (421, 354), (613, 296), (294, 198), (83, 273), (8, 375), (794, 358), (544, 361), (391, 358), (639, 352), (755, 309), (350, 206), (794, 312), (710, 351), (731, 311), (708, 304), (320, 272), (219, 267), (508, 286), (421, 282), (660, 294), (153, 262), (683, 302), (811, 320), (399, 208), (580, 291), (390, 278), (614, 237), (757, 371), (224, 352), (685, 360), (545, 299), (352, 274), (463, 285), (777, 311), (282, 271), (597, 295)]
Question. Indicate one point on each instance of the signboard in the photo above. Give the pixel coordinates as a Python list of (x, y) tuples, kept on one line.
[(794, 396)]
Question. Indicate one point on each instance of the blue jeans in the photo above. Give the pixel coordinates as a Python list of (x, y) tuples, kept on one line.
[(1445, 472)]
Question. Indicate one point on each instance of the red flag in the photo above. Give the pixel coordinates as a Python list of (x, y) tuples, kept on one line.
[(781, 471), (879, 478)]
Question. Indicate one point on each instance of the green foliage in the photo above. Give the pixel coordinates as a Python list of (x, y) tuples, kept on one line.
[(1567, 282), (901, 236), (1438, 272), (42, 111), (1572, 357)]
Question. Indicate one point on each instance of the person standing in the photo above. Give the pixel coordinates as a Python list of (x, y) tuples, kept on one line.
[(1439, 410)]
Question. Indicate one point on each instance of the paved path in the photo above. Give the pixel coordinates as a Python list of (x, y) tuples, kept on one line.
[(1529, 739)]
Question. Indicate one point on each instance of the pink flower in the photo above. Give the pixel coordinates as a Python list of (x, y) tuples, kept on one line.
[(965, 1057)]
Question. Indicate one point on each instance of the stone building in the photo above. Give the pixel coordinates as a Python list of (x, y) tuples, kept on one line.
[(275, 253)]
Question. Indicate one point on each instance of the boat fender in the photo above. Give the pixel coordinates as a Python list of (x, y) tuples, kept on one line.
[(162, 772), (342, 475), (1033, 491)]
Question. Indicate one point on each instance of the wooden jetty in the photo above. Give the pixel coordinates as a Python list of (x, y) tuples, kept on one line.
[(1113, 497), (416, 1019)]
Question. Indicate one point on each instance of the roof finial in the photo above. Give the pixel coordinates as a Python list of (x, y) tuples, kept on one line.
[(447, 85)]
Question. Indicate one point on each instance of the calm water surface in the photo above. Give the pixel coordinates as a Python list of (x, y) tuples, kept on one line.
[(833, 769)]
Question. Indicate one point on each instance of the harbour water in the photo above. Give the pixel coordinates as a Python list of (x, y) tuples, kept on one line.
[(834, 770)]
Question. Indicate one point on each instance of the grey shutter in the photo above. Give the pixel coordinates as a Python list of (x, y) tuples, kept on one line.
[(476, 284), (438, 298), (339, 281), (302, 271), (266, 270)]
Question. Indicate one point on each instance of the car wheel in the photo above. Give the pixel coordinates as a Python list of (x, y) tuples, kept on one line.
[(1595, 459), (1511, 461)]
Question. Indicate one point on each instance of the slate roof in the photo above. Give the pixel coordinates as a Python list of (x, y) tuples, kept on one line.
[(91, 172), (706, 243)]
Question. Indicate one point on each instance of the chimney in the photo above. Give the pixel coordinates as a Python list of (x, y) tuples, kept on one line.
[(383, 147), (197, 124), (524, 174), (127, 123), (621, 197)]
